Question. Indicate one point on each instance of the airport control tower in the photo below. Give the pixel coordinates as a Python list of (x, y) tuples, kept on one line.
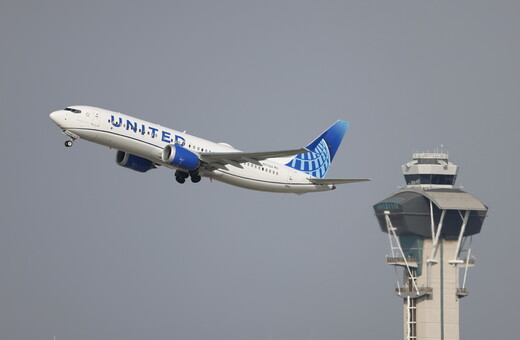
[(430, 225)]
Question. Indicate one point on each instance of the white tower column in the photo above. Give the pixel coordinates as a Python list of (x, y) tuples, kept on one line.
[(438, 312)]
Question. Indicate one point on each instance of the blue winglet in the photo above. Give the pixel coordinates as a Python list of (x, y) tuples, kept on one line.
[(322, 151)]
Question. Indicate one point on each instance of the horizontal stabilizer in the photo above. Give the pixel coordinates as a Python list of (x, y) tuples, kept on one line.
[(328, 181)]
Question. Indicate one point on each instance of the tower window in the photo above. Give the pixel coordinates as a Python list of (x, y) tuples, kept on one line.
[(430, 179)]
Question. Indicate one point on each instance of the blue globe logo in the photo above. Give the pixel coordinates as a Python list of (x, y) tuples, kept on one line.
[(315, 163)]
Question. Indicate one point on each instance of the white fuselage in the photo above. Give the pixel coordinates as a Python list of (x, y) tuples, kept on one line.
[(147, 140)]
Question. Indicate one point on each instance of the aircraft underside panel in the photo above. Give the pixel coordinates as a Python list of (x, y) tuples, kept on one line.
[(264, 185)]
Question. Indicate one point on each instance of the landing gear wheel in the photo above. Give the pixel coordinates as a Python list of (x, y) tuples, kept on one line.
[(181, 174), (180, 179), (68, 143), (195, 177)]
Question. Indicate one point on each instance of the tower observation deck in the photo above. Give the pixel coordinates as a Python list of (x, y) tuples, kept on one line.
[(430, 224)]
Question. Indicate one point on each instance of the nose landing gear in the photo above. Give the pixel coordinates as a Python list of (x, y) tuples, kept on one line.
[(72, 136)]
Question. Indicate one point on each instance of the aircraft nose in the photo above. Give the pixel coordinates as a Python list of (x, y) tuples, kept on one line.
[(57, 117)]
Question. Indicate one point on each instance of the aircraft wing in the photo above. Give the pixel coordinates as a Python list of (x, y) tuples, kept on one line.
[(221, 159), (333, 181)]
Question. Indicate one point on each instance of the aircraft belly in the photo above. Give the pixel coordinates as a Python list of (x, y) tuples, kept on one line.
[(250, 183), (123, 143), (90, 135), (265, 185)]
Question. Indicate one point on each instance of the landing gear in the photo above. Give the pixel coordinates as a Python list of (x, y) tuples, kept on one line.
[(181, 176), (72, 137), (195, 177)]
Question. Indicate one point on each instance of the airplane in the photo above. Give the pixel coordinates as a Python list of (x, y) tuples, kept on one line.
[(143, 146)]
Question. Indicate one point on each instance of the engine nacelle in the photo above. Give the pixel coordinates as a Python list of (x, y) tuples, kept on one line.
[(133, 162), (180, 157)]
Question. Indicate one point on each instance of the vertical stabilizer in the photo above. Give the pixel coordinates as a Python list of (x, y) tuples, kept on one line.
[(322, 150)]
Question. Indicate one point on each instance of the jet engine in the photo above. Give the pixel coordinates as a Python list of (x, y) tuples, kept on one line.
[(133, 162), (180, 157)]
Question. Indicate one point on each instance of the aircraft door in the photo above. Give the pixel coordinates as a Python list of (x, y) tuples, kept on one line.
[(289, 180), (95, 119)]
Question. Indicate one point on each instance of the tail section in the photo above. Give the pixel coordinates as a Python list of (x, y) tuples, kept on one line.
[(322, 150)]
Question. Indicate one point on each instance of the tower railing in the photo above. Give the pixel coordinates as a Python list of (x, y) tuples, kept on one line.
[(397, 252)]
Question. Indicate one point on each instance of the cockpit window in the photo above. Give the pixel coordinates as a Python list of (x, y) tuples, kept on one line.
[(72, 110)]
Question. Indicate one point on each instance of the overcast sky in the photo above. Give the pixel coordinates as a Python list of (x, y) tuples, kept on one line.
[(90, 250)]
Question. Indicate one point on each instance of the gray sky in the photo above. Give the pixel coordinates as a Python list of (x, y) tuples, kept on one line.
[(89, 250)]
